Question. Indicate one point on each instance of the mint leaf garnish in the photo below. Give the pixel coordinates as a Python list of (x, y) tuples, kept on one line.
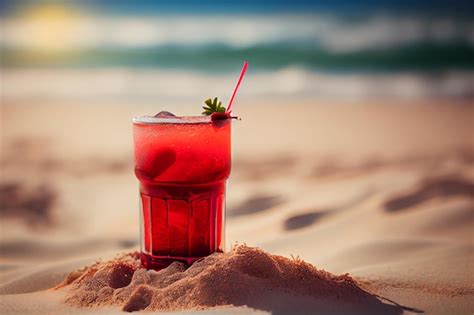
[(213, 106)]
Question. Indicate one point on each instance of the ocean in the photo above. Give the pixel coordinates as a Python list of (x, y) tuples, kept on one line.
[(300, 54)]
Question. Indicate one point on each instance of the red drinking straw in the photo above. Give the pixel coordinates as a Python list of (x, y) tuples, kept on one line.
[(242, 73)]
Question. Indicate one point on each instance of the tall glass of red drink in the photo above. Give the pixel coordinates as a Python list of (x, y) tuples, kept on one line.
[(182, 164)]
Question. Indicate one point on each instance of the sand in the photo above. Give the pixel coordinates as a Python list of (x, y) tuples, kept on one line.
[(244, 276), (382, 192)]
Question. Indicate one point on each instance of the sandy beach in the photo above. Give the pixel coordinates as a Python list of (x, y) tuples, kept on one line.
[(381, 192)]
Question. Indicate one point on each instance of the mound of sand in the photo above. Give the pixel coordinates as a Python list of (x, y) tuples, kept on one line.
[(243, 276)]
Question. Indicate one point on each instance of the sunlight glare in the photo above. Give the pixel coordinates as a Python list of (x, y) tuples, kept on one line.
[(50, 27)]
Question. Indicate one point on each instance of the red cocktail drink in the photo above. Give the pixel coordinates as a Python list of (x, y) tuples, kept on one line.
[(182, 164)]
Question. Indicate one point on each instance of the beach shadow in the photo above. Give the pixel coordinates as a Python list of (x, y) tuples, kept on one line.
[(327, 169), (334, 168), (37, 250), (127, 243), (302, 220), (456, 218), (466, 155), (367, 304), (308, 218), (89, 166), (447, 186), (31, 206), (254, 204), (35, 154), (254, 170)]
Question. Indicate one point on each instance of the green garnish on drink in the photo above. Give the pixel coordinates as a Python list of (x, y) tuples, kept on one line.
[(213, 106)]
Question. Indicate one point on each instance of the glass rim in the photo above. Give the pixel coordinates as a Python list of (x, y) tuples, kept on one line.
[(183, 120)]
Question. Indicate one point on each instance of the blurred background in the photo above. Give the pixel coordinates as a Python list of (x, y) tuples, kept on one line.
[(344, 103), (164, 51)]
